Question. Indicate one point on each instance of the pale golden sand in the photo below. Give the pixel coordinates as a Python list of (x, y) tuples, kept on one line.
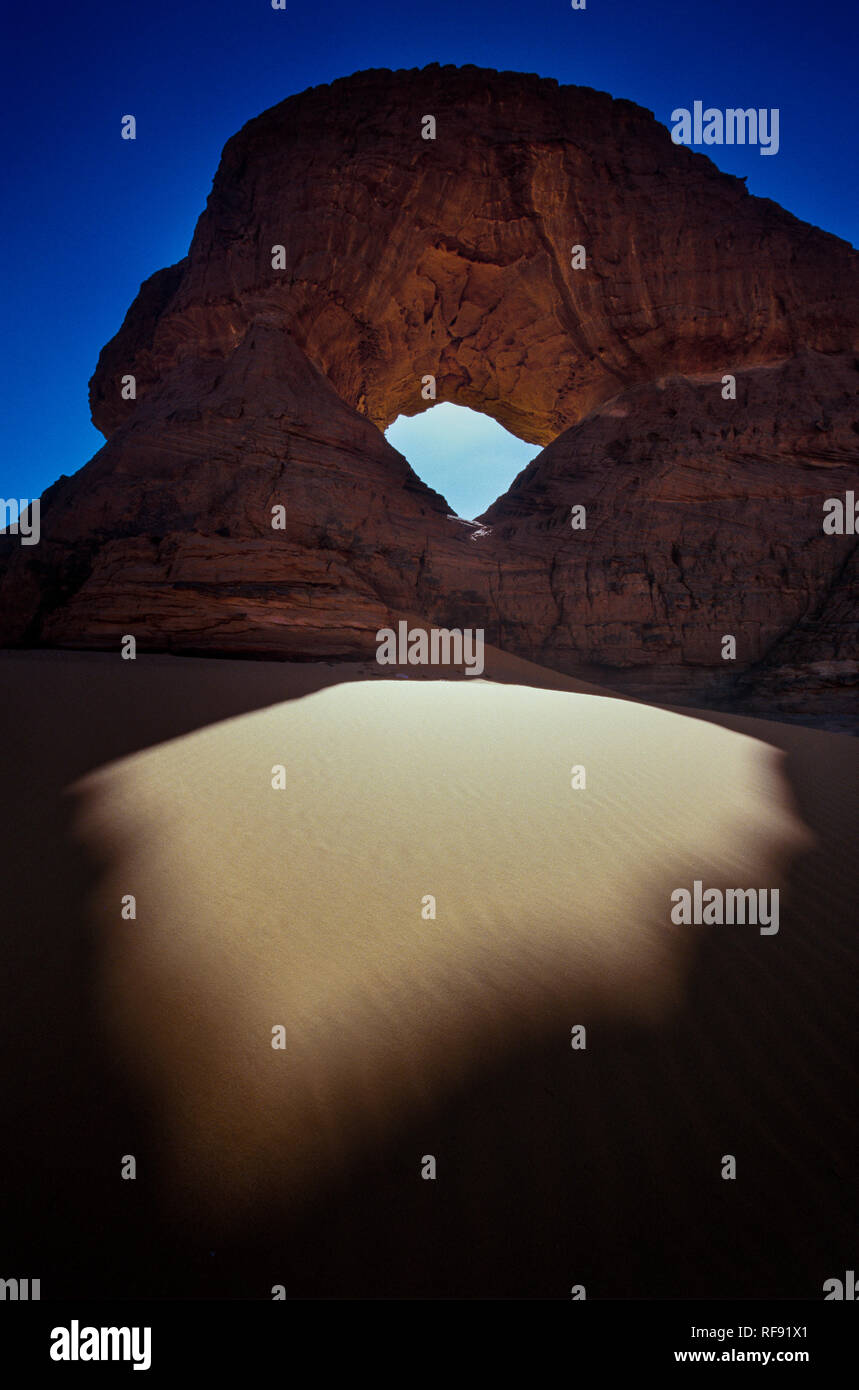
[(303, 907)]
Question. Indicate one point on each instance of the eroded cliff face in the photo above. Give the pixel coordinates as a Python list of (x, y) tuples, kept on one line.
[(260, 387), (704, 519)]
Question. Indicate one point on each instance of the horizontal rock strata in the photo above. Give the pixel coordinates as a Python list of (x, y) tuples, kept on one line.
[(260, 387)]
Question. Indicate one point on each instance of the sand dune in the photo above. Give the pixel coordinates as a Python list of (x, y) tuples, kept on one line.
[(407, 1035), (302, 907)]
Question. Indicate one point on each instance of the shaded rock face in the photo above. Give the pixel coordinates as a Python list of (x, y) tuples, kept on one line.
[(261, 387)]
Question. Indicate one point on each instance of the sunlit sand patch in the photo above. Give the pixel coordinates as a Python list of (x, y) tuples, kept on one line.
[(304, 908)]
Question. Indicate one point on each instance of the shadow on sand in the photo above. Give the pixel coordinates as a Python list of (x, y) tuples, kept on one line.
[(550, 1173)]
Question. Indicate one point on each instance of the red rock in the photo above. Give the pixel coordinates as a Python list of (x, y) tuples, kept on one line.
[(452, 257)]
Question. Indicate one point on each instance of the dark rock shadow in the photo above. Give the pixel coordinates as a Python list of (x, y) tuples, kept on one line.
[(554, 1167)]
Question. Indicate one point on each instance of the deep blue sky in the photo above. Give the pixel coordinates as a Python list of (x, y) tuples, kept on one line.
[(88, 216)]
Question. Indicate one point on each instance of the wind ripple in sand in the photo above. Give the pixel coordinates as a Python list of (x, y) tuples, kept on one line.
[(302, 907)]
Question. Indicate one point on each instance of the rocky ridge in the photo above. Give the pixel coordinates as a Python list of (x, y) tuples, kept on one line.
[(403, 257)]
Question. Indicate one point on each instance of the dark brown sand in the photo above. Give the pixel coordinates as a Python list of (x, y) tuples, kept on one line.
[(407, 1036)]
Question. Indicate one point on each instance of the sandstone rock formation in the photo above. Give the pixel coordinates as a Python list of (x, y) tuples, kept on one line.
[(259, 387)]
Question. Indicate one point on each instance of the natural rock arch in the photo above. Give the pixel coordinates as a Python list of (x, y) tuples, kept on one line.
[(452, 256), (405, 256)]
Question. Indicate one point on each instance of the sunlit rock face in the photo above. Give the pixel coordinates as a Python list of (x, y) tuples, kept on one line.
[(262, 387)]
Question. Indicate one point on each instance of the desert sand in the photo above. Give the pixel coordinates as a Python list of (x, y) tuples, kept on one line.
[(407, 1034)]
